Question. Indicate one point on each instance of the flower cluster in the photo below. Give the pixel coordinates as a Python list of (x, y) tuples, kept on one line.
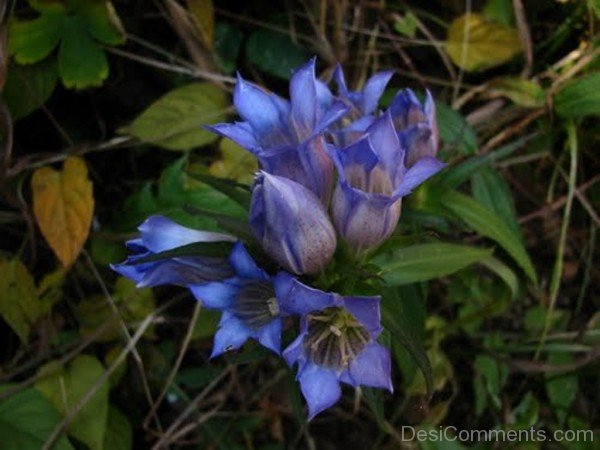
[(333, 168)]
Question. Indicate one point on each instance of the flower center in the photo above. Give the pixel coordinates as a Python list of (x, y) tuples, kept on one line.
[(255, 304), (377, 181), (334, 337)]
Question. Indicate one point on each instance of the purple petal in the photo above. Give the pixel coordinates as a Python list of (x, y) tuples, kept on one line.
[(232, 333), (243, 263), (216, 294), (303, 95), (265, 112), (300, 299), (372, 368), (385, 143), (131, 272), (159, 234), (320, 388), (239, 132), (373, 90), (340, 80), (270, 336), (335, 112), (417, 174), (293, 351), (366, 311)]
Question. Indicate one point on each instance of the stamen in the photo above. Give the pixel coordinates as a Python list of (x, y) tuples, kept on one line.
[(255, 304)]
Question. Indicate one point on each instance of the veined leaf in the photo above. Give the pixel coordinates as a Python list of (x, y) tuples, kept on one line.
[(27, 420), (580, 97), (175, 120), (65, 387), (424, 262), (487, 223), (527, 93), (475, 43), (63, 205)]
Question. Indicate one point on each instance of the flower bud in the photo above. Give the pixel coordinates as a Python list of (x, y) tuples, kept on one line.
[(291, 224)]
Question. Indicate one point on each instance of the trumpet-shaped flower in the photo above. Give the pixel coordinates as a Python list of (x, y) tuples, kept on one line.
[(159, 234), (287, 136), (337, 342), (249, 304), (372, 181), (416, 124), (291, 224)]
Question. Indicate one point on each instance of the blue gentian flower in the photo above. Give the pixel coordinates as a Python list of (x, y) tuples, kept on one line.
[(371, 183), (337, 342), (291, 224), (287, 137), (249, 304), (416, 124), (159, 234)]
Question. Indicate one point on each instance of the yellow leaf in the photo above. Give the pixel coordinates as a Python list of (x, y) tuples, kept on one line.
[(203, 13), (19, 303), (475, 43), (235, 163), (63, 205)]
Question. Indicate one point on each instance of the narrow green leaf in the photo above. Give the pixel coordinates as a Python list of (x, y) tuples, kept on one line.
[(395, 319), (487, 223), (580, 97), (210, 249), (504, 272), (235, 191), (27, 420), (426, 261)]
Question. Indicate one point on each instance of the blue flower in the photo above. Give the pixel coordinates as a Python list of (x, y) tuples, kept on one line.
[(337, 342), (159, 234), (291, 224), (372, 181), (249, 304), (287, 137), (416, 124)]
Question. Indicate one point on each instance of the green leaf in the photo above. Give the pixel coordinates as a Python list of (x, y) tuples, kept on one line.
[(119, 435), (31, 41), (27, 420), (504, 272), (29, 87), (561, 388), (20, 306), (462, 172), (487, 223), (81, 61), (454, 130), (475, 43), (527, 93), (174, 121), (406, 25), (399, 322), (595, 6), (228, 40), (102, 22), (65, 386), (426, 261), (491, 190), (211, 249), (235, 163), (274, 53), (238, 192), (500, 11), (580, 97)]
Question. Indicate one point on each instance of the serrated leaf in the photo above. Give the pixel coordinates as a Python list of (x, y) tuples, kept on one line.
[(29, 87), (102, 22), (580, 97), (81, 61), (20, 306), (424, 262), (31, 41), (489, 224), (119, 435), (474, 43), (406, 25), (274, 53), (63, 206), (174, 121), (235, 163), (27, 420), (65, 386), (527, 93), (203, 14)]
